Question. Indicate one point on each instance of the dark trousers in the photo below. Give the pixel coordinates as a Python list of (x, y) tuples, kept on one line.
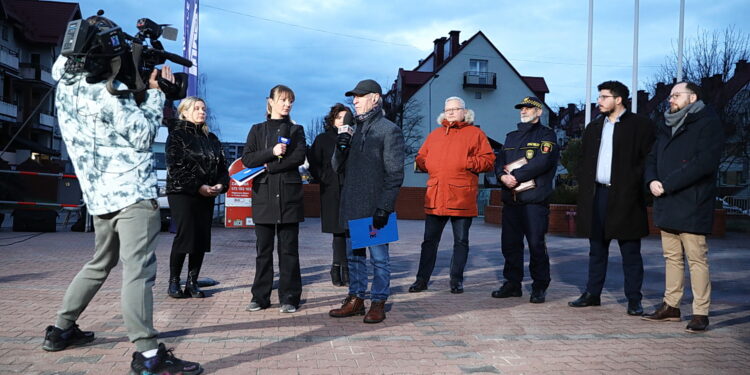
[(433, 230), (177, 260), (339, 249), (290, 280), (530, 221), (632, 263)]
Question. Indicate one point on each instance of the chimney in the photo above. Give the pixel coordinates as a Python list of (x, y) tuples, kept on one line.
[(740, 66), (439, 53), (454, 42)]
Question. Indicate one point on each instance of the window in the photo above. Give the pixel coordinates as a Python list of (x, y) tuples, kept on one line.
[(478, 68)]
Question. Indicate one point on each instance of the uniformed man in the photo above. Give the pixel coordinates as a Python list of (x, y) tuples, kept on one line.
[(526, 167)]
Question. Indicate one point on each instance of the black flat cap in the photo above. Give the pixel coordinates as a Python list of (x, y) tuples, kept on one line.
[(367, 86)]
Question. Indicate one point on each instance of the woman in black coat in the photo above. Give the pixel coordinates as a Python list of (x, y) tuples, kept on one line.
[(330, 190), (279, 145), (196, 174)]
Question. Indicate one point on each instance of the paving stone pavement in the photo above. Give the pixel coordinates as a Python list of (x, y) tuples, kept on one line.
[(433, 332)]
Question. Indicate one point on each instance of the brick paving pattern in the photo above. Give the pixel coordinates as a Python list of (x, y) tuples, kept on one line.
[(433, 332)]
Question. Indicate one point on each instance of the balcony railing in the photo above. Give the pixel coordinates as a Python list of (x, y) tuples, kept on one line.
[(484, 80), (9, 58), (8, 109), (37, 73), (47, 120)]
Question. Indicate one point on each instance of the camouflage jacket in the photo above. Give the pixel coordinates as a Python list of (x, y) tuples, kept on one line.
[(108, 139)]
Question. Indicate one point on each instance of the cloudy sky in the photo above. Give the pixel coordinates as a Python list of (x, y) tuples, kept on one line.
[(321, 49)]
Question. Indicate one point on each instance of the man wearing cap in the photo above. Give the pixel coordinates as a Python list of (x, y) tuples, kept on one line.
[(529, 157), (611, 199), (372, 161)]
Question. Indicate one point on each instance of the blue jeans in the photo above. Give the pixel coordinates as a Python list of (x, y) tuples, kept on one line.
[(433, 230), (381, 280)]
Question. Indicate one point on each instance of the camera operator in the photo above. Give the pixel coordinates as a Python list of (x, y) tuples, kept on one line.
[(109, 140)]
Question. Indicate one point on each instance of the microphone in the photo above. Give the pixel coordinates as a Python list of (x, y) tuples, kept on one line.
[(346, 129), (283, 137)]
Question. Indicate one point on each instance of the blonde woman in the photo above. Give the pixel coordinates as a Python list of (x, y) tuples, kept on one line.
[(196, 174)]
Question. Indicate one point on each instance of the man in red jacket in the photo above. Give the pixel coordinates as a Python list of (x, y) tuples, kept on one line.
[(454, 155)]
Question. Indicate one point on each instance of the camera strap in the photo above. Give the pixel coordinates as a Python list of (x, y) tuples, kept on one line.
[(115, 65)]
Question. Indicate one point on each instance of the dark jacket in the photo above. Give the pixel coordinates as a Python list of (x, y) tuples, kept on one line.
[(277, 193), (538, 144), (686, 164), (626, 205), (319, 157), (193, 159), (373, 169)]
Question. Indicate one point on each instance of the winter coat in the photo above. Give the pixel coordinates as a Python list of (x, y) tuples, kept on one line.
[(319, 157), (277, 193), (538, 144), (373, 169), (193, 159), (626, 205), (686, 164), (454, 155)]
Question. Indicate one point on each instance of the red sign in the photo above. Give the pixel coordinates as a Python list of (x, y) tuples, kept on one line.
[(239, 201)]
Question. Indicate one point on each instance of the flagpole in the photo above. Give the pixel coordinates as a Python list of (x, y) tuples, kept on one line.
[(588, 63), (634, 101)]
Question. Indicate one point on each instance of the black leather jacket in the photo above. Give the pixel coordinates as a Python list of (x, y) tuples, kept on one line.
[(193, 159)]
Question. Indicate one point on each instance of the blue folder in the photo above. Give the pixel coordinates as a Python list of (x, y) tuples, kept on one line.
[(364, 235), (247, 174)]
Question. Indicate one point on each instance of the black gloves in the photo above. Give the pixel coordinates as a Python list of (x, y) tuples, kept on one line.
[(343, 140), (380, 219)]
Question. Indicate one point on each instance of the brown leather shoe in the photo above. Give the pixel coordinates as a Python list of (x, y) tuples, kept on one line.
[(351, 306), (376, 313), (699, 323), (664, 313)]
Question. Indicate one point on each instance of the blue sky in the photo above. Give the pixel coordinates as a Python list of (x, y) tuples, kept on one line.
[(321, 49)]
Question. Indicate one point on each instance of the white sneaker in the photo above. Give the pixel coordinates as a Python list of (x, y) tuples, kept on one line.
[(286, 308), (253, 306)]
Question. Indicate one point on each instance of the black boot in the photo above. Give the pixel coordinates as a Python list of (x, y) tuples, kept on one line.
[(191, 286), (336, 274), (345, 275), (174, 290)]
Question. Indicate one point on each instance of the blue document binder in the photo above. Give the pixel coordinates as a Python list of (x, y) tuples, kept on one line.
[(364, 235), (247, 174)]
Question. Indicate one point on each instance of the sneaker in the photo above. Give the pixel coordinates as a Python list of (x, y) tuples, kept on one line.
[(254, 306), (287, 308), (163, 363), (56, 339)]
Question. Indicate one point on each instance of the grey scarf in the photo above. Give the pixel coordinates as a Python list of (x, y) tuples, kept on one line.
[(675, 120)]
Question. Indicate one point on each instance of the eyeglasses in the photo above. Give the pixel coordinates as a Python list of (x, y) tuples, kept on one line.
[(677, 94), (451, 110), (606, 96)]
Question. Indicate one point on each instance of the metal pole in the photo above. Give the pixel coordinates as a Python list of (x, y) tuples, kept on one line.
[(680, 41), (635, 59), (588, 64)]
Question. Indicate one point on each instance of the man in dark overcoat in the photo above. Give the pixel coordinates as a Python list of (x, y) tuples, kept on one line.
[(681, 173), (611, 198), (373, 162)]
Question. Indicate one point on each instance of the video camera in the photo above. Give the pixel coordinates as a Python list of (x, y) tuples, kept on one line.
[(109, 53)]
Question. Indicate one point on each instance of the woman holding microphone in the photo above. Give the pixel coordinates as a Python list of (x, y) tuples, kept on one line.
[(279, 145)]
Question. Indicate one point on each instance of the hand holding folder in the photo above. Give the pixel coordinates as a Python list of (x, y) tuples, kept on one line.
[(523, 186), (247, 174)]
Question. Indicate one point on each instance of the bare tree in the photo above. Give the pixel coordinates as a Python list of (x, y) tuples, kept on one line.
[(316, 127), (407, 116)]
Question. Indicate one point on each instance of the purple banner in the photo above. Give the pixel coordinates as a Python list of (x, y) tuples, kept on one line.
[(190, 45)]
